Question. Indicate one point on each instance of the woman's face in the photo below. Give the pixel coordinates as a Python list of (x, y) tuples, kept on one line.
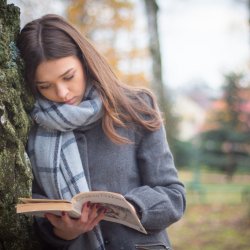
[(61, 80)]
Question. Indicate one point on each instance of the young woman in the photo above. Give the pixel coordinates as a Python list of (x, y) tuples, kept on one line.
[(91, 132)]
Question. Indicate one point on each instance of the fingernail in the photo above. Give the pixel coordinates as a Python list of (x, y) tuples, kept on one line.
[(88, 204), (101, 210)]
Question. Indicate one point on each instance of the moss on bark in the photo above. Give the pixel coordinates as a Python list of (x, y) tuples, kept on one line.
[(15, 173)]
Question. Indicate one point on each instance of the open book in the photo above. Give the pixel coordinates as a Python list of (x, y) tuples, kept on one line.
[(118, 209)]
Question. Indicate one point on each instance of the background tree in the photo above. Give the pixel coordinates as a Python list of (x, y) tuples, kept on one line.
[(15, 174), (109, 24), (226, 145), (157, 84)]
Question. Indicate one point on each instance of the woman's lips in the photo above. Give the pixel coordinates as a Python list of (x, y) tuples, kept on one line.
[(71, 101)]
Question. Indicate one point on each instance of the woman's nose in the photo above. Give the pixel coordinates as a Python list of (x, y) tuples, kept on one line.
[(62, 91)]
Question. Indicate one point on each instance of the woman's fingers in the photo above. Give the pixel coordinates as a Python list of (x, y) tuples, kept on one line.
[(97, 219), (66, 219), (54, 220), (95, 214), (91, 215), (85, 213)]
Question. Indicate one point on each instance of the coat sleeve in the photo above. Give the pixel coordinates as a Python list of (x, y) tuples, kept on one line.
[(43, 228), (161, 197)]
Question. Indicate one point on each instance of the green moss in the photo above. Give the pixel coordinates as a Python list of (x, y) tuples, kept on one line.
[(15, 171)]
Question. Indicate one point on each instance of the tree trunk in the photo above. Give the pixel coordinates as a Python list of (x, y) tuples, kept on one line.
[(157, 83), (15, 174), (154, 46)]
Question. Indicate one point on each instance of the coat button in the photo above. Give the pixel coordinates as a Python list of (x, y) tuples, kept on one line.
[(106, 242)]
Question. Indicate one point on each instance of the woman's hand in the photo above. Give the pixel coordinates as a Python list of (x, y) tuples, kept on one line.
[(69, 229)]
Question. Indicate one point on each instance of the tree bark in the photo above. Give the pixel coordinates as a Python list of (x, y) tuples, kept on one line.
[(157, 83), (154, 46), (15, 173)]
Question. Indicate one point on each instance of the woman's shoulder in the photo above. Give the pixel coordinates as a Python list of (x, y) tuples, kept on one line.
[(145, 108), (142, 95)]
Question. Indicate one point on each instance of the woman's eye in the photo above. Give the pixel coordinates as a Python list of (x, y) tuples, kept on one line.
[(44, 87), (67, 78)]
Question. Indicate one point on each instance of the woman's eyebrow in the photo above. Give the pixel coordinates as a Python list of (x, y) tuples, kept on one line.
[(62, 75), (65, 73)]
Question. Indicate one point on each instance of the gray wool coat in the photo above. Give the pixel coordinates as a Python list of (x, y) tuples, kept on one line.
[(143, 172)]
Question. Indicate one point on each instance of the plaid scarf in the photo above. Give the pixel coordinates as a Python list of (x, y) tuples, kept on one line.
[(53, 149)]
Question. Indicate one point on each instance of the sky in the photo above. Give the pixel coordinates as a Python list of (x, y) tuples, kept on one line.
[(201, 40)]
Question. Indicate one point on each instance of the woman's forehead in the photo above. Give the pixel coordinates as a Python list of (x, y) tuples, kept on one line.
[(57, 67)]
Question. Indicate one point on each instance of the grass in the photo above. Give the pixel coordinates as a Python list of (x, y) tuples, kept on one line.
[(214, 188), (216, 219), (212, 227)]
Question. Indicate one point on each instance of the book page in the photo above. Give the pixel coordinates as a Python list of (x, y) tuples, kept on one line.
[(118, 208), (30, 200), (39, 209), (100, 197)]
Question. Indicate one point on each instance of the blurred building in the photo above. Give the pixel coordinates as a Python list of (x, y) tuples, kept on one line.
[(192, 116), (191, 106)]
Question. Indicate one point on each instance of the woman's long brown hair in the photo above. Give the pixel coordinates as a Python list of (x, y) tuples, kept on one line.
[(51, 37)]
